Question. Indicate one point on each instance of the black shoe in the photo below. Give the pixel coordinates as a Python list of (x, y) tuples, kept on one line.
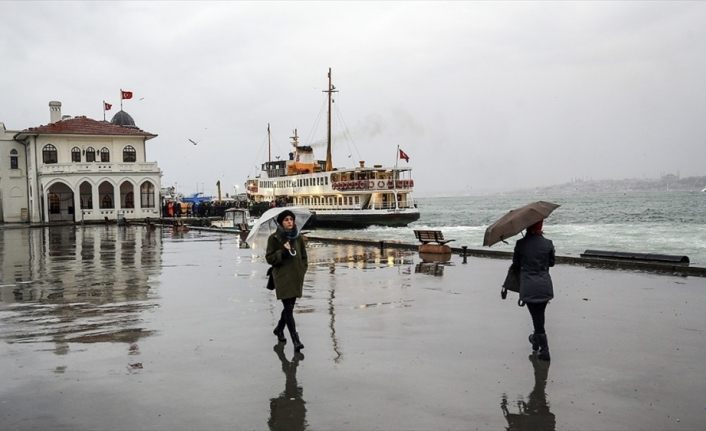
[(279, 332), (297, 343), (534, 342)]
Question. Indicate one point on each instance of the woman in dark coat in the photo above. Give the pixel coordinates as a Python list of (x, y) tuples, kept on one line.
[(287, 255), (534, 254)]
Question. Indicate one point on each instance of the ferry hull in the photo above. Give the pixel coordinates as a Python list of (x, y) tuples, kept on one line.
[(359, 221)]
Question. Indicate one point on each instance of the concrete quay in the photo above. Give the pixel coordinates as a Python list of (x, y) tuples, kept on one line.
[(182, 340)]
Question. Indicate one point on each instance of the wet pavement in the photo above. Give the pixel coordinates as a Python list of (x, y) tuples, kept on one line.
[(122, 328)]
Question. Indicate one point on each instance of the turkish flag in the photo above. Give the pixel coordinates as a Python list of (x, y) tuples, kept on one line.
[(404, 156), (126, 94), (107, 106)]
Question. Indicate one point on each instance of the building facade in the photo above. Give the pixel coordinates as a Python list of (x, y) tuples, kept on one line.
[(77, 169)]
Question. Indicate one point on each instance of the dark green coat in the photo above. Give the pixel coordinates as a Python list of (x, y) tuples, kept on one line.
[(287, 270)]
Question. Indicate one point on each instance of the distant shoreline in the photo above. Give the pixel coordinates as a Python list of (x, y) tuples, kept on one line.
[(665, 184)]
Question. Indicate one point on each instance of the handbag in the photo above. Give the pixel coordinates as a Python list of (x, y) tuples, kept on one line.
[(512, 281), (270, 280)]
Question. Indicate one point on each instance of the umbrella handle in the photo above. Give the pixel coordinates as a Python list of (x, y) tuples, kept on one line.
[(292, 252)]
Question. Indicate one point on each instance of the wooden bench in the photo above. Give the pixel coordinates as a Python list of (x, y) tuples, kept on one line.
[(427, 236), (432, 242)]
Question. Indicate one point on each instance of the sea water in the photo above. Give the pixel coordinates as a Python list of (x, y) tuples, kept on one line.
[(644, 222)]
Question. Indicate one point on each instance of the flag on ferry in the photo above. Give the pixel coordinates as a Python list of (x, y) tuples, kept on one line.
[(125, 94), (106, 106), (404, 156)]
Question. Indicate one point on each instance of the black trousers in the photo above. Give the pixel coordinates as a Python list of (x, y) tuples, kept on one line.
[(287, 316), (537, 312)]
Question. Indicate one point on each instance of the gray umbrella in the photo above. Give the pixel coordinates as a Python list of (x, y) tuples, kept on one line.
[(267, 224), (515, 221)]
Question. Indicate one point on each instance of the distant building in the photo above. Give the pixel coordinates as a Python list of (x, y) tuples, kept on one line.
[(77, 168)]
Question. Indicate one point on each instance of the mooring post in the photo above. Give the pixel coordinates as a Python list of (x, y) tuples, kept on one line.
[(382, 246), (464, 248)]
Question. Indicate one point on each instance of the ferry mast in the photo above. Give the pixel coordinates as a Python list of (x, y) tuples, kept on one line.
[(330, 91)]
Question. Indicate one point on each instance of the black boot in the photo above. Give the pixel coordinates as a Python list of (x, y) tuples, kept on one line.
[(279, 332), (543, 347), (297, 343), (534, 342)]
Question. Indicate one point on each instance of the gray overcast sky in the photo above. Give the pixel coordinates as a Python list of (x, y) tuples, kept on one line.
[(481, 95)]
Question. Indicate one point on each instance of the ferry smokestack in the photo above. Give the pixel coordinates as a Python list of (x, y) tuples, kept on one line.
[(362, 163)]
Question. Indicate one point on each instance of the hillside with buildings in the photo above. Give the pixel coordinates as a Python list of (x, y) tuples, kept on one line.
[(665, 183)]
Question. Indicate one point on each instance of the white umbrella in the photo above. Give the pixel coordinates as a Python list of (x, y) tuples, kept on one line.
[(267, 224)]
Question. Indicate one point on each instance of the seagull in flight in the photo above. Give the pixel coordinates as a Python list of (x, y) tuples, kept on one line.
[(193, 142)]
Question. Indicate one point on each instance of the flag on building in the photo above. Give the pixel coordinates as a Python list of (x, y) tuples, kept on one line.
[(404, 156), (106, 106), (125, 94)]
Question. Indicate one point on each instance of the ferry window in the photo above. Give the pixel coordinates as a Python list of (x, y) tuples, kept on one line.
[(90, 154), (76, 154), (49, 154), (14, 164), (105, 155), (326, 180), (129, 154)]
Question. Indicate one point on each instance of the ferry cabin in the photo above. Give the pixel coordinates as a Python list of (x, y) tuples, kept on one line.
[(376, 188)]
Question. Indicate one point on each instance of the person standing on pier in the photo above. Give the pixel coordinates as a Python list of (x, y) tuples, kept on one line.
[(286, 253), (534, 254)]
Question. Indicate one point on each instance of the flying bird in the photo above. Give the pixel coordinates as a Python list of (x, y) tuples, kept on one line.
[(193, 142)]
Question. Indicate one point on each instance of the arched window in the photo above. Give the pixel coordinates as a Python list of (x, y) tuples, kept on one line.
[(105, 195), (54, 203), (90, 154), (14, 162), (147, 195), (129, 154), (76, 154), (86, 192), (127, 197), (105, 155), (49, 154)]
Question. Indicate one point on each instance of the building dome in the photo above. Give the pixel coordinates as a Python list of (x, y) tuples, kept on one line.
[(122, 118)]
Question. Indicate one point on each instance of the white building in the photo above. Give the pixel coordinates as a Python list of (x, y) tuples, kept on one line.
[(76, 169)]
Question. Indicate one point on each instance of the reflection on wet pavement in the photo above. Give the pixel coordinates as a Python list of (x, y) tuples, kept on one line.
[(534, 413), (77, 284), (288, 410)]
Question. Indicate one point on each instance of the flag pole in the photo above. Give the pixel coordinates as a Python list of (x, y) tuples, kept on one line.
[(394, 179), (104, 110), (121, 99)]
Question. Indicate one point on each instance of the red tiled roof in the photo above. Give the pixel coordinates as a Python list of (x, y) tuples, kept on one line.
[(85, 126)]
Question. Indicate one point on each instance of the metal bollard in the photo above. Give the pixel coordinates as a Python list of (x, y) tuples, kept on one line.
[(464, 248)]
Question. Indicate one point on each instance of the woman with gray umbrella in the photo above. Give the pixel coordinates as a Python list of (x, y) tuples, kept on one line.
[(286, 253), (534, 254)]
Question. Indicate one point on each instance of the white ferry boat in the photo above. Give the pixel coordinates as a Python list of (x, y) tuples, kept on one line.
[(340, 198)]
